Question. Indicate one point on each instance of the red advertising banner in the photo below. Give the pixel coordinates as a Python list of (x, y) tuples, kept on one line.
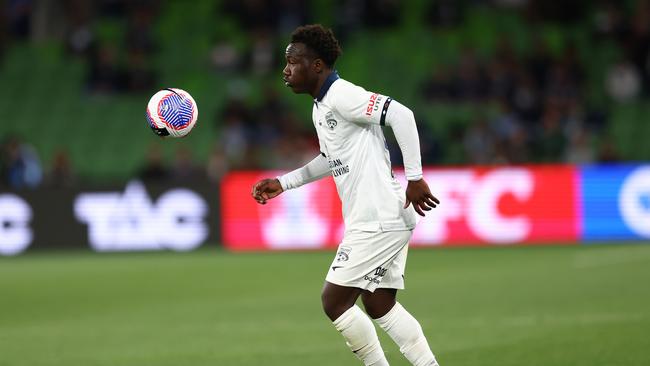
[(479, 206)]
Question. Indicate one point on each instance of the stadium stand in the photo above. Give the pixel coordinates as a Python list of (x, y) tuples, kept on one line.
[(444, 63)]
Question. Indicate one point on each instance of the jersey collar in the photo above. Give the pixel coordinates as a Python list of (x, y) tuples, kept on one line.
[(331, 78)]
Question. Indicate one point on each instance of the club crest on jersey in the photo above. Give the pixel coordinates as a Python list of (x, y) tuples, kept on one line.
[(343, 254), (331, 122)]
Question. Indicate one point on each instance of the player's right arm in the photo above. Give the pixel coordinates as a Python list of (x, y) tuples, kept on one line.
[(266, 189)]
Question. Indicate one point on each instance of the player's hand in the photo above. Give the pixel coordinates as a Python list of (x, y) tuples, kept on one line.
[(418, 193), (266, 189)]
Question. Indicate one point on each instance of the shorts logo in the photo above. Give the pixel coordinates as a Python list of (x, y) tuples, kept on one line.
[(331, 122), (380, 271), (371, 279), (343, 254)]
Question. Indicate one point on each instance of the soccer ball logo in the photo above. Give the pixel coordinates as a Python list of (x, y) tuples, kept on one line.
[(172, 112)]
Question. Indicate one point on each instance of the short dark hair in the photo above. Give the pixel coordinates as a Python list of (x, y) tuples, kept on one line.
[(320, 40)]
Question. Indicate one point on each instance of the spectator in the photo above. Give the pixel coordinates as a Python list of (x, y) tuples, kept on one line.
[(104, 75), (623, 82), (471, 81), (516, 149), (638, 43), (262, 57), (579, 149), (217, 165), (538, 63), (225, 57), (445, 13), (608, 153), (291, 14), (551, 141), (19, 18), (139, 73), (80, 38), (479, 142), (235, 131), (184, 168), (21, 165), (61, 174), (3, 33), (139, 33), (154, 169), (439, 87), (381, 13)]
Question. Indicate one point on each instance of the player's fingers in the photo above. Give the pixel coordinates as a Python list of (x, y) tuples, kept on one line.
[(433, 198), (263, 188), (417, 209), (430, 202), (424, 206)]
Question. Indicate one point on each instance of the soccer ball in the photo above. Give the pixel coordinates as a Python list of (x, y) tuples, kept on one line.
[(172, 112)]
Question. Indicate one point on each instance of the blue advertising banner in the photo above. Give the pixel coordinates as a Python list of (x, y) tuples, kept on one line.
[(615, 202)]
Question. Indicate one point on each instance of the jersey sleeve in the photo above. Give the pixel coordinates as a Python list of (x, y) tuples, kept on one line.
[(356, 104)]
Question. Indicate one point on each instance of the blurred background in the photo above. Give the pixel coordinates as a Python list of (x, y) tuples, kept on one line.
[(533, 121), (491, 82)]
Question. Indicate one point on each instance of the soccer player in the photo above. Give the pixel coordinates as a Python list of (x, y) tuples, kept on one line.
[(371, 259)]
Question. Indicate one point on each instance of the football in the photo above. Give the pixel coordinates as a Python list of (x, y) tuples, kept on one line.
[(172, 112)]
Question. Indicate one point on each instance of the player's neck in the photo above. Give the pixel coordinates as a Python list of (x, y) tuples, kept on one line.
[(322, 78)]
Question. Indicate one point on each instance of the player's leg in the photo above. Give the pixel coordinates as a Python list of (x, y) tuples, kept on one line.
[(355, 326), (337, 299), (389, 314), (379, 303)]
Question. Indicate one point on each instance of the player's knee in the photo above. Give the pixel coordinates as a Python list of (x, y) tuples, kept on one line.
[(377, 309), (333, 308), (374, 311)]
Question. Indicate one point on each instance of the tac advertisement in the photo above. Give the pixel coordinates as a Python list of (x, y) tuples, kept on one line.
[(130, 217), (479, 206)]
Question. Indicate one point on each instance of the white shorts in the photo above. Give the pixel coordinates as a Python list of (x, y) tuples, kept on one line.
[(371, 260)]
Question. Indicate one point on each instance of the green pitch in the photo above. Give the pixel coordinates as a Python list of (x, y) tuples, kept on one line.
[(478, 306)]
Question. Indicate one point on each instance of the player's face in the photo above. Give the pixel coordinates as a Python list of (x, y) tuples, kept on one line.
[(299, 74)]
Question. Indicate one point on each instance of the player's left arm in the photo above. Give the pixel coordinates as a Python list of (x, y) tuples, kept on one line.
[(402, 121), (358, 105)]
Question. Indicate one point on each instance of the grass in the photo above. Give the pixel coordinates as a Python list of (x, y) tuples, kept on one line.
[(553, 305)]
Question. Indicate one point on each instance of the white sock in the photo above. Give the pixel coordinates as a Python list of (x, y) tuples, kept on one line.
[(405, 330), (361, 337)]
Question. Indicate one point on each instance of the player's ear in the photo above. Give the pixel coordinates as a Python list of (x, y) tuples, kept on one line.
[(318, 65)]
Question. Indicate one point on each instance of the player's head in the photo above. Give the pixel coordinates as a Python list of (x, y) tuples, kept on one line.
[(310, 57)]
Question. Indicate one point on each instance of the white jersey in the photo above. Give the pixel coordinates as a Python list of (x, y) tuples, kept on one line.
[(348, 121)]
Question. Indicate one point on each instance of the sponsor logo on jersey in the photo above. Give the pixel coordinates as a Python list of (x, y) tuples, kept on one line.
[(337, 167), (373, 104)]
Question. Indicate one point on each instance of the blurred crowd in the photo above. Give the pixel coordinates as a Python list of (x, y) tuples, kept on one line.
[(535, 107), (116, 64)]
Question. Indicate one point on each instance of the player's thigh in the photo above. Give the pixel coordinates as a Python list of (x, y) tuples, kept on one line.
[(379, 303), (338, 299)]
